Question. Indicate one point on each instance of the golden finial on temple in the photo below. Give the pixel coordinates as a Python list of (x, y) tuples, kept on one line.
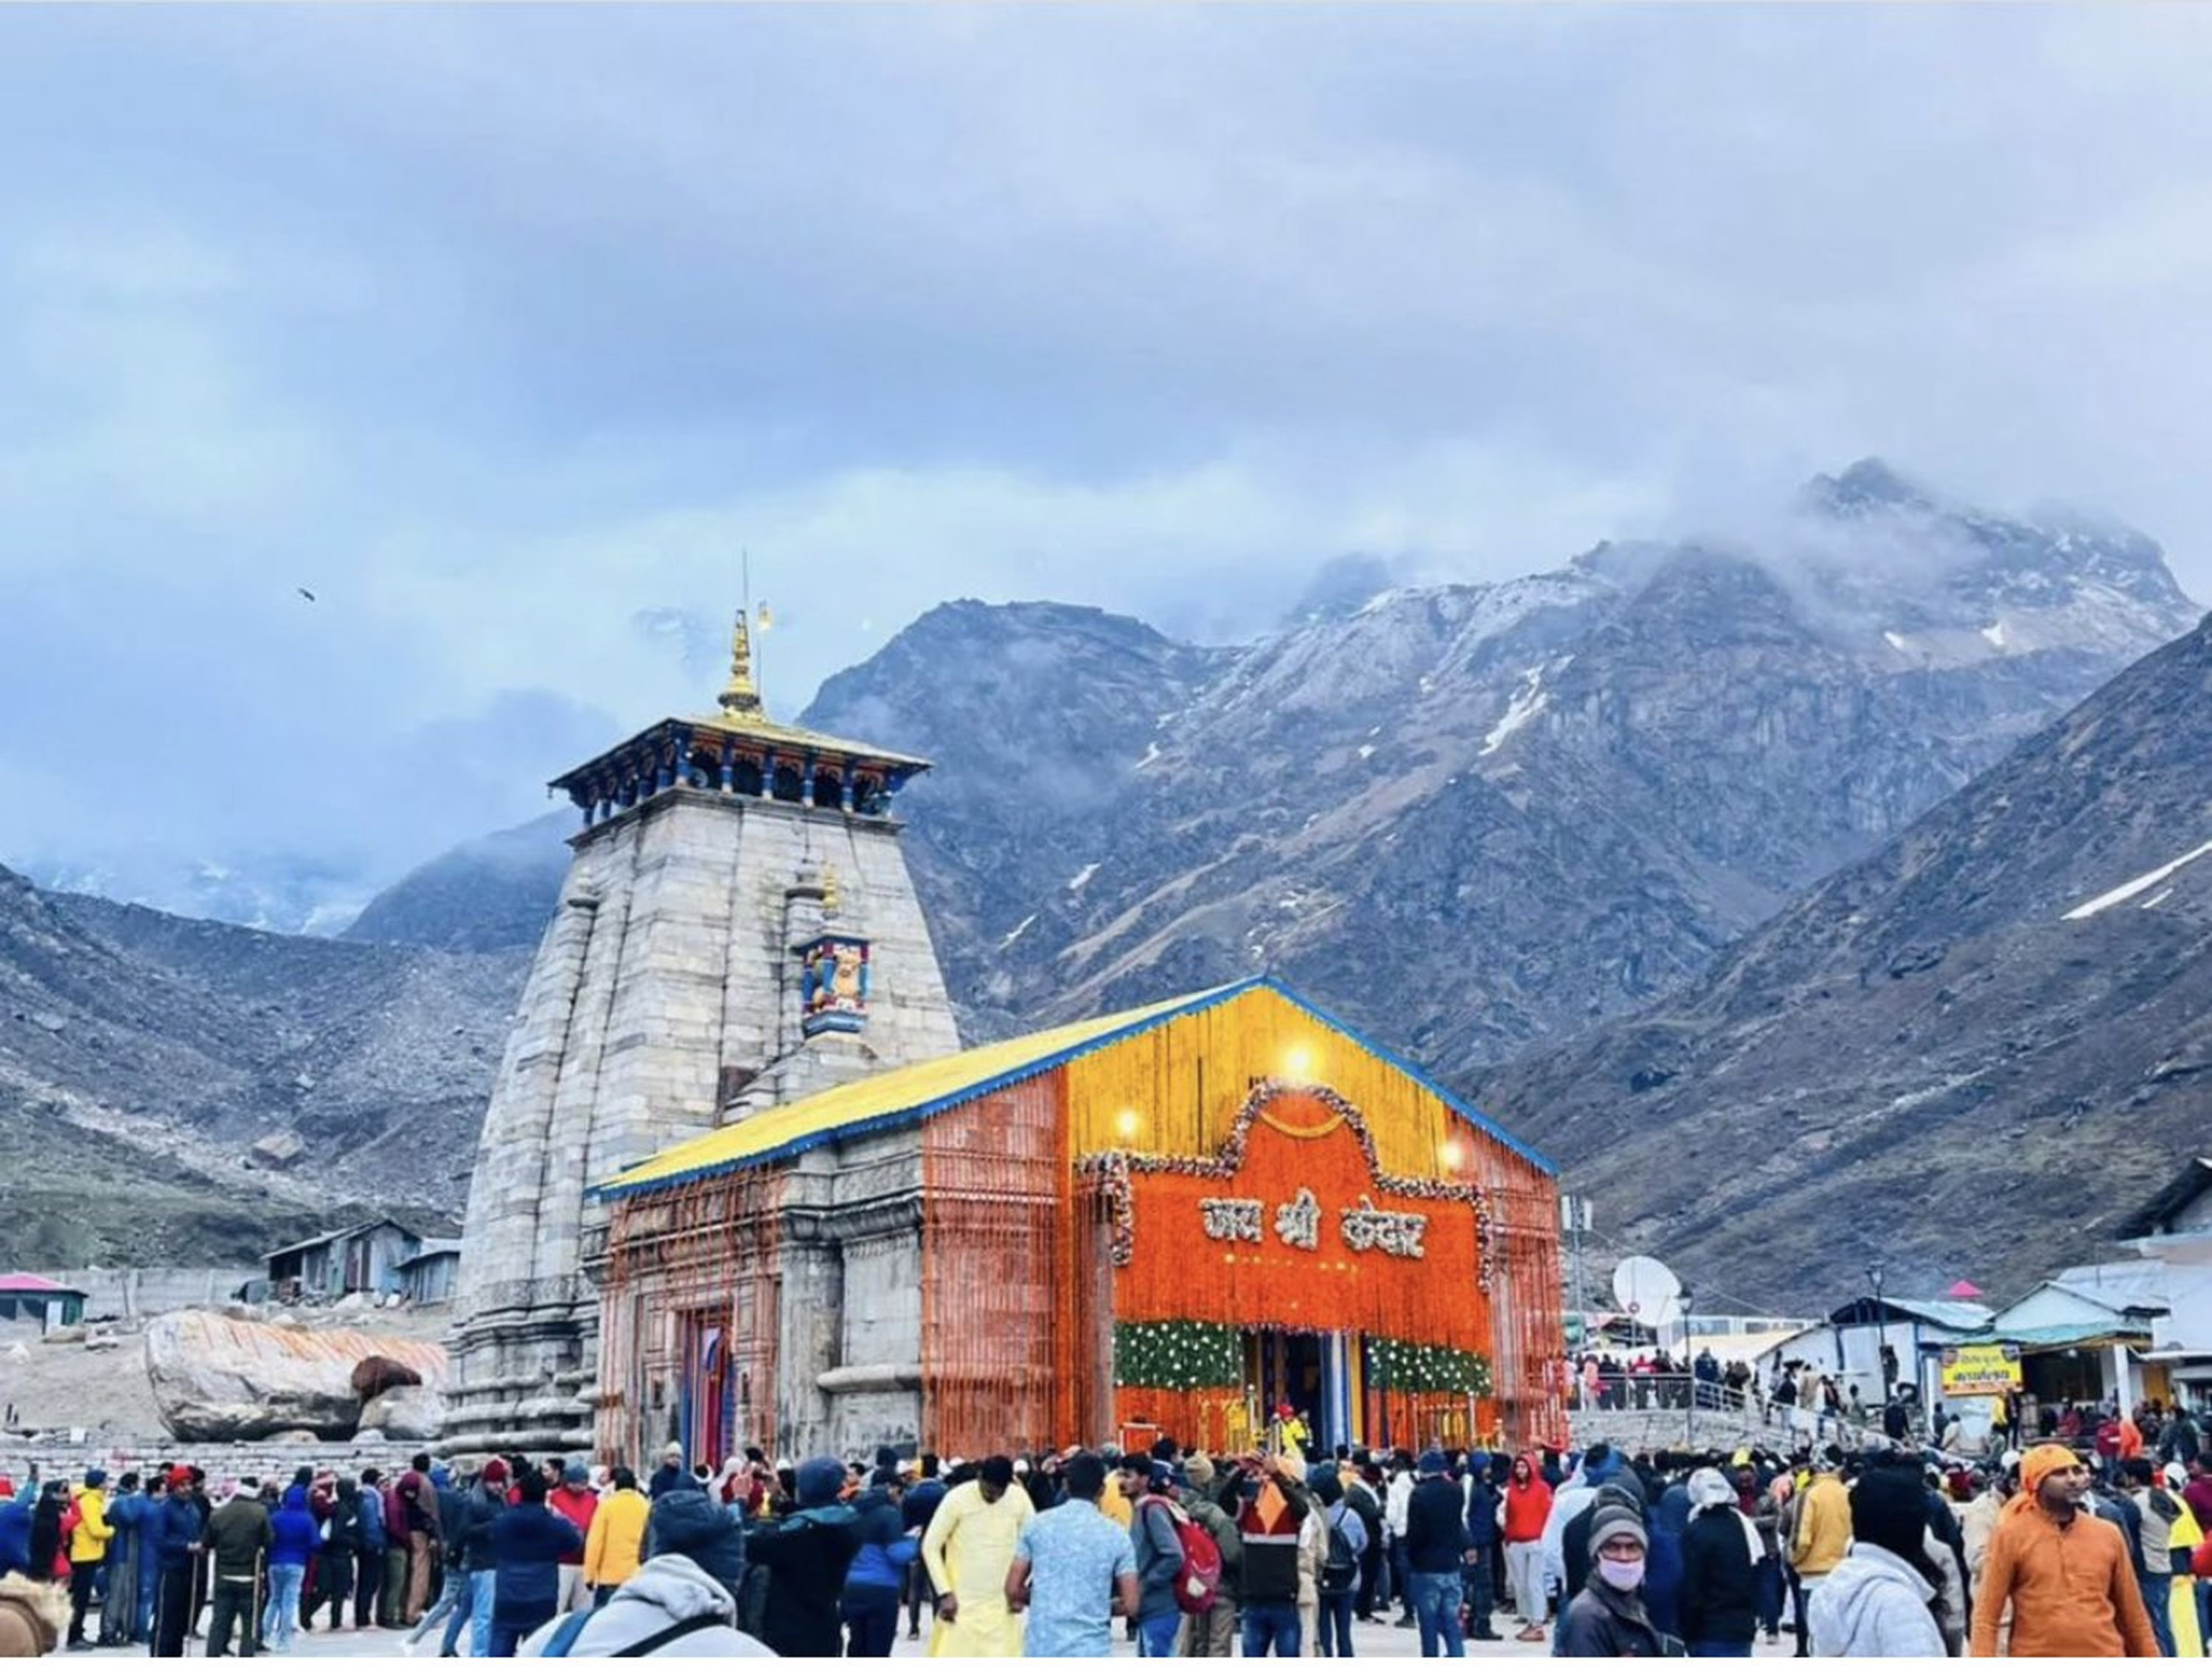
[(740, 698), (830, 888)]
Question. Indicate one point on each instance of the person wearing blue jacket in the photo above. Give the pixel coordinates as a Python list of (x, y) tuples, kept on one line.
[(1663, 1560), (1483, 1504), (527, 1543), (869, 1600), (372, 1538), (16, 1535), (294, 1542), (128, 1600), (173, 1528)]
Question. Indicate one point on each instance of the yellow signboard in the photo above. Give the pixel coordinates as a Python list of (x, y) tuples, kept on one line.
[(1989, 1368)]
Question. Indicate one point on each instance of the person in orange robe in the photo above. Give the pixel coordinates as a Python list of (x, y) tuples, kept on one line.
[(2065, 1572)]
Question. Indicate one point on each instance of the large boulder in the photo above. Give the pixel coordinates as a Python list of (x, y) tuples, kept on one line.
[(405, 1413), (379, 1372), (218, 1379)]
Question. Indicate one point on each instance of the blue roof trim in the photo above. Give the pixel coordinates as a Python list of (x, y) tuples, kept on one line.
[(1399, 1062), (892, 1120)]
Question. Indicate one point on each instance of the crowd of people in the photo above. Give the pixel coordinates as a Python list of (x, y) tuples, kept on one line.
[(1887, 1552)]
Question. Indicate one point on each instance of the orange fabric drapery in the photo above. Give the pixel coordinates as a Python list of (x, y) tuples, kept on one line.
[(1303, 1141)]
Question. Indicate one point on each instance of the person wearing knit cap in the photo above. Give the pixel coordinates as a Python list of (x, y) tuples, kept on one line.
[(1213, 1634), (671, 1475), (1436, 1550), (808, 1554), (1607, 1618), (2067, 1574), (1875, 1604)]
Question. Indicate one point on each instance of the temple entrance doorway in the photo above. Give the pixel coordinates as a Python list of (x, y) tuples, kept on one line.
[(1308, 1371)]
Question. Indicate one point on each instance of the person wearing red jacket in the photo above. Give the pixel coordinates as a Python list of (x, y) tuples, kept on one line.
[(1527, 1505), (575, 1502)]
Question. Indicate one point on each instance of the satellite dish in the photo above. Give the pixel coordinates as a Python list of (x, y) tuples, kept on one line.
[(1647, 1291)]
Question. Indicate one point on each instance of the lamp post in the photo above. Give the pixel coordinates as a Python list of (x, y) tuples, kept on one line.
[(1690, 1400), (1880, 1330)]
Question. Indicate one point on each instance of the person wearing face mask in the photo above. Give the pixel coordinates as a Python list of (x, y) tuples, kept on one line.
[(1608, 1618)]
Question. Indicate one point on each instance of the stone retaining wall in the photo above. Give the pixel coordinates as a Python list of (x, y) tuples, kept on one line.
[(261, 1459)]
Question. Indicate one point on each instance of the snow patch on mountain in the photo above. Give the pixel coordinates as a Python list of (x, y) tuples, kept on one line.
[(1527, 701), (2137, 885)]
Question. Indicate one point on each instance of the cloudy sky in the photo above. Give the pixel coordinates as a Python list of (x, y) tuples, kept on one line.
[(504, 330)]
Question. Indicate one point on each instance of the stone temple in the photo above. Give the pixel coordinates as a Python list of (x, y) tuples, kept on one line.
[(738, 929)]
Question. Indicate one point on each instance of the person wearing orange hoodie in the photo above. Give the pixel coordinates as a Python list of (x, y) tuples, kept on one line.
[(2067, 1574), (1527, 1507)]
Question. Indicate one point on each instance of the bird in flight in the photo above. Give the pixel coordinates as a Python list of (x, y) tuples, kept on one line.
[(305, 592)]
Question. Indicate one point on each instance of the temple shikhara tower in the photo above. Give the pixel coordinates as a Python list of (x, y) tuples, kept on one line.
[(738, 930)]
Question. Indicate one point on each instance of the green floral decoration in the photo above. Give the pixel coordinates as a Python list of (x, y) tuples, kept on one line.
[(1425, 1368), (1177, 1353)]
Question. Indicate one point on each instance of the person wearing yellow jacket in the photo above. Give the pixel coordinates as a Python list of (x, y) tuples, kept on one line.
[(87, 1547), (616, 1540), (2184, 1538), (1823, 1534)]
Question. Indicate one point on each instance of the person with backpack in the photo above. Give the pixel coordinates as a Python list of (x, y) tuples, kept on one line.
[(1338, 1580), (807, 1555), (1212, 1633), (1363, 1491), (670, 1606), (1073, 1570), (1155, 1533)]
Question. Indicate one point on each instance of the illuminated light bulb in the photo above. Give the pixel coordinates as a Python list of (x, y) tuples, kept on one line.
[(1452, 1154), (1299, 1062), (1125, 1124)]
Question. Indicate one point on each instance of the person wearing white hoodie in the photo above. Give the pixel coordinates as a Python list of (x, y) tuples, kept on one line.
[(671, 1605), (1873, 1605)]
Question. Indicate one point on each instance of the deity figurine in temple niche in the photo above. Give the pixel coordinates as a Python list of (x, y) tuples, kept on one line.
[(848, 976), (836, 977)]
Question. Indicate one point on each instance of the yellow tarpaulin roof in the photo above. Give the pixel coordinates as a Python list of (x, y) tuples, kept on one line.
[(915, 1090)]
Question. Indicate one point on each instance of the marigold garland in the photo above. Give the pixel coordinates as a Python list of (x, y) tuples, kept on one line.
[(1111, 1171)]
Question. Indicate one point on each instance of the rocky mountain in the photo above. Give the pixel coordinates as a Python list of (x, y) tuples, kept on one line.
[(1471, 815), (143, 1056), (494, 892), (1964, 1056), (1476, 815)]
